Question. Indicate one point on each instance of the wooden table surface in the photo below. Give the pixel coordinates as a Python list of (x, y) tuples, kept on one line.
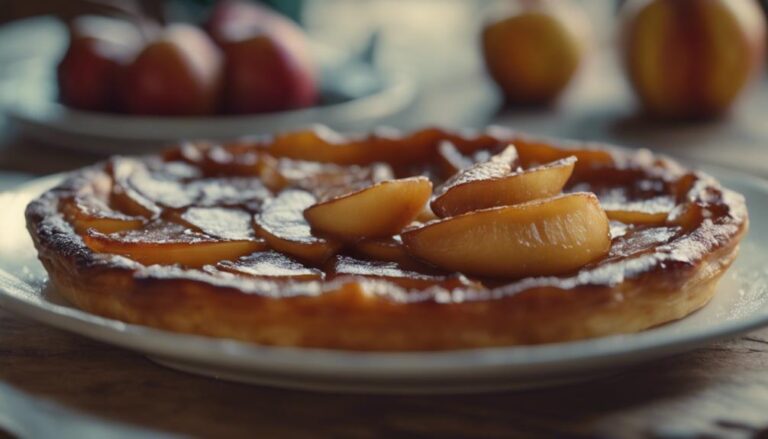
[(718, 391)]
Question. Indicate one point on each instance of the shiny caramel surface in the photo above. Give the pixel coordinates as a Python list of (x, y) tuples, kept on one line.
[(235, 213)]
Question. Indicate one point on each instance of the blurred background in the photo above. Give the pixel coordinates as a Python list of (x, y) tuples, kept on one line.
[(83, 79)]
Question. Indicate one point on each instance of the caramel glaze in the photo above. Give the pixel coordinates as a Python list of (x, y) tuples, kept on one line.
[(222, 175), (703, 216)]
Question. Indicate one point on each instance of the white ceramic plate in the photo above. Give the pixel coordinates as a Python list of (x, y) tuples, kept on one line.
[(741, 304), (355, 95)]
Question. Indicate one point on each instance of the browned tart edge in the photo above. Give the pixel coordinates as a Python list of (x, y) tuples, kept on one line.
[(623, 297)]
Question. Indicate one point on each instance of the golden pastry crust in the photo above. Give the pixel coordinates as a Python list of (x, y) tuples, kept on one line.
[(653, 274)]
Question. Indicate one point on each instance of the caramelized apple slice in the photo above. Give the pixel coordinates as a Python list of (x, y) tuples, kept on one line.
[(229, 191), (542, 237), (323, 179), (496, 166), (88, 208), (238, 159), (425, 215), (129, 201), (487, 185), (470, 142), (162, 189), (682, 186), (270, 173), (142, 190), (137, 191), (450, 160), (279, 174), (271, 265), (168, 244), (217, 160), (385, 249), (281, 223), (319, 144), (391, 146), (392, 272), (637, 217), (322, 144), (225, 223), (421, 146), (123, 196), (376, 211), (535, 152), (688, 216), (88, 212), (640, 240), (652, 211)]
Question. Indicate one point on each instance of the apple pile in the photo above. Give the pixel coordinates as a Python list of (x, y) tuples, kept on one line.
[(685, 59), (244, 59), (691, 59)]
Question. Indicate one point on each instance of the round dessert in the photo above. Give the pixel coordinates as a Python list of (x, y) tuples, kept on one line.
[(431, 240)]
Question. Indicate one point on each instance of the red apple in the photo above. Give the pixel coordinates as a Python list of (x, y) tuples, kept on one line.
[(179, 73), (268, 64), (691, 58), (231, 17), (98, 47)]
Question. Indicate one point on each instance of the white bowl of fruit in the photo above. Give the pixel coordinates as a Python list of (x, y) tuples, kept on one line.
[(128, 86)]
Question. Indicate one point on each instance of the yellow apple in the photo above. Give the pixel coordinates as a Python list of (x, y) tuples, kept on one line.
[(692, 58), (534, 50)]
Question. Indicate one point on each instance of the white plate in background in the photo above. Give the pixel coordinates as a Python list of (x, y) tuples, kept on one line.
[(355, 94)]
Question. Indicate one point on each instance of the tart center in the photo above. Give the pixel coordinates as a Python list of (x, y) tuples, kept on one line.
[(417, 210)]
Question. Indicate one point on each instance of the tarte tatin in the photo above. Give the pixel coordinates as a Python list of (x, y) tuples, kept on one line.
[(432, 240)]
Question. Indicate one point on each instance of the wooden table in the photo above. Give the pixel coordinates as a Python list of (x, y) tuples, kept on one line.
[(717, 391)]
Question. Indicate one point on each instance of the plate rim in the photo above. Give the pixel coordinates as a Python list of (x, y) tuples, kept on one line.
[(537, 360), (398, 93)]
